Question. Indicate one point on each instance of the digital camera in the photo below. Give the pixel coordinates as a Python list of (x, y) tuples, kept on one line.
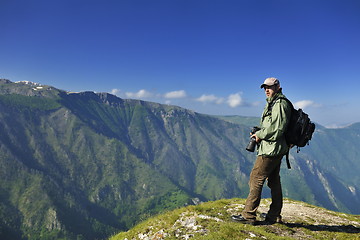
[(252, 144)]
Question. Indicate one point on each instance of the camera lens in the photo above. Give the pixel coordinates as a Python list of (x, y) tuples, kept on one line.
[(251, 146)]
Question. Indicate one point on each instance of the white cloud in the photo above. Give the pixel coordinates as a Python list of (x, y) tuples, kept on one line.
[(140, 94), (175, 94), (210, 99), (115, 91), (305, 103), (234, 100)]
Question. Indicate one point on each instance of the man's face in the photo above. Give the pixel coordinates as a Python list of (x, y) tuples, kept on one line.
[(270, 91)]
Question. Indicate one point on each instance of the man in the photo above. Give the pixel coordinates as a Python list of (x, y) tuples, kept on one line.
[(271, 149)]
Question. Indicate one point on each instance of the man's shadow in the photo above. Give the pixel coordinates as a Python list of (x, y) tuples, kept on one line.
[(322, 227), (330, 228)]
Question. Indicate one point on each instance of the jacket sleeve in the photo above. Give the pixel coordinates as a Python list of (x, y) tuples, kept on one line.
[(279, 121)]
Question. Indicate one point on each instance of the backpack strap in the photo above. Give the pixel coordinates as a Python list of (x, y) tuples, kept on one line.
[(271, 104), (287, 159), (287, 100)]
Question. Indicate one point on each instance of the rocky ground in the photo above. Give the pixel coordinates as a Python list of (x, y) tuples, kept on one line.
[(212, 221)]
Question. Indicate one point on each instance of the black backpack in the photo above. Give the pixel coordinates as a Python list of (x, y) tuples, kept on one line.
[(299, 131)]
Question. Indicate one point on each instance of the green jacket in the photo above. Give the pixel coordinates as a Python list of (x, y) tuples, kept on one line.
[(273, 125)]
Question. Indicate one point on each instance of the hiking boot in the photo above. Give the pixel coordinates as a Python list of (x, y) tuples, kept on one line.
[(270, 220), (241, 219)]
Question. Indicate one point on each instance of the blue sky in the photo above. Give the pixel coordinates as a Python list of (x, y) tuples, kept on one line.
[(205, 55)]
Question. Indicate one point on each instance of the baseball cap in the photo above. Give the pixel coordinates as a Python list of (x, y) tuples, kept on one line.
[(270, 82)]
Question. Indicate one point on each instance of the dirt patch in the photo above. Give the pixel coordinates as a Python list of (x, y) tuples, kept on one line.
[(301, 219), (297, 212)]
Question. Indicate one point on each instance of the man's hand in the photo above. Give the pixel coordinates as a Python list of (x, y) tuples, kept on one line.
[(256, 137)]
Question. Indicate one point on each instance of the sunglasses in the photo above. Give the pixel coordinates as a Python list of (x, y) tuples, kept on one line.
[(269, 87)]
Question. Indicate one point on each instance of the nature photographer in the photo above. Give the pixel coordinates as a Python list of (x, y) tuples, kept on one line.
[(272, 146)]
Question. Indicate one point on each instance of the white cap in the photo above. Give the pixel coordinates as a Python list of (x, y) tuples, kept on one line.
[(270, 82)]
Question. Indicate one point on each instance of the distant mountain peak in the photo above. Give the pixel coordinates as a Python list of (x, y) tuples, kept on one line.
[(29, 83), (3, 80), (28, 88)]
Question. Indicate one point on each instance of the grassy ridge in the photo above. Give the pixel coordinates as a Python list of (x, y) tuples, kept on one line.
[(211, 220)]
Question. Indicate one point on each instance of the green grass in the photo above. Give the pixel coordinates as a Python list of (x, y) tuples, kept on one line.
[(212, 221), (31, 102)]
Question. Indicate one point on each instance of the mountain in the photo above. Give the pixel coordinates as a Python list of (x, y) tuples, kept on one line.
[(87, 165), (211, 220)]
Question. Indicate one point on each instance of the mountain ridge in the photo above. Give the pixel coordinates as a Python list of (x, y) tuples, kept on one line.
[(86, 165)]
